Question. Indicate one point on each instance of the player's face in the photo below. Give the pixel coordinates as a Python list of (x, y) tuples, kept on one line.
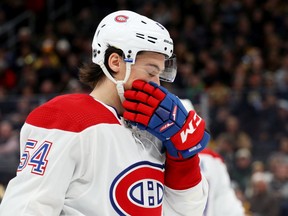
[(147, 67)]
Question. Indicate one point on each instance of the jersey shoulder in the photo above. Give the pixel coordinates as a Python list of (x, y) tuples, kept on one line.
[(211, 153), (71, 112)]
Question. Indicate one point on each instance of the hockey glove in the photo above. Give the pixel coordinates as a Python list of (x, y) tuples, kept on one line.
[(153, 108)]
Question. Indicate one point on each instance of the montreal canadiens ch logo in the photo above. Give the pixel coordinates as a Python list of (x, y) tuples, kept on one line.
[(121, 18), (138, 190)]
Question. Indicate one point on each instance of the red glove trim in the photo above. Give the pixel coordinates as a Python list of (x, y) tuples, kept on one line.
[(191, 132), (182, 174)]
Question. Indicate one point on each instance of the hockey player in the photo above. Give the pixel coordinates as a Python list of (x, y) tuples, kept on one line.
[(127, 148), (222, 200)]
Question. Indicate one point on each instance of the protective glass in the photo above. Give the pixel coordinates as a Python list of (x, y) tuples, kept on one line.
[(170, 71)]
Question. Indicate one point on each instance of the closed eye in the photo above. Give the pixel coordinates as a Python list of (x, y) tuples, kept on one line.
[(154, 67), (153, 70), (153, 74)]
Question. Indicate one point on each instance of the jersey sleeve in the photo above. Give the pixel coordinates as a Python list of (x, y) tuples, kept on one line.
[(186, 190), (226, 194), (47, 166), (220, 189)]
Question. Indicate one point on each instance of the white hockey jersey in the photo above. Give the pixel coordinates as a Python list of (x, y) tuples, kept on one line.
[(222, 200), (79, 158)]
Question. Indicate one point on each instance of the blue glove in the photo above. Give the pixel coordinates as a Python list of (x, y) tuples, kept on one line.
[(153, 108)]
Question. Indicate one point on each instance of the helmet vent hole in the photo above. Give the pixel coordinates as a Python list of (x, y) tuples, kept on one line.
[(94, 53), (143, 22)]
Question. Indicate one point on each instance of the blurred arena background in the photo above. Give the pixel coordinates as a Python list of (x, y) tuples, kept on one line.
[(232, 64)]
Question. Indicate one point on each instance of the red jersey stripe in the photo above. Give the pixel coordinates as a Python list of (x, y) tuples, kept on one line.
[(71, 112)]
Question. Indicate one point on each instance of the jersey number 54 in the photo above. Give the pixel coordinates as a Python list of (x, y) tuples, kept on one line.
[(35, 156)]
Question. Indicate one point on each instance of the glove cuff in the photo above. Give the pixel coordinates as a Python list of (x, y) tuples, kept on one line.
[(174, 153), (182, 174)]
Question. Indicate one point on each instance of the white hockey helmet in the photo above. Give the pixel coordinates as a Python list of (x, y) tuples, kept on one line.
[(132, 33)]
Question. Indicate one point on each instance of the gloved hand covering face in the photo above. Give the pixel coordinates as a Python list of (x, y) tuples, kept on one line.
[(153, 108)]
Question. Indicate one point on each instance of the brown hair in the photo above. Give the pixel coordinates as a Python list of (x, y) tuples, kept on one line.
[(90, 73)]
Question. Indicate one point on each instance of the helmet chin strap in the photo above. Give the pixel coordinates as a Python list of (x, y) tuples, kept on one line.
[(119, 83)]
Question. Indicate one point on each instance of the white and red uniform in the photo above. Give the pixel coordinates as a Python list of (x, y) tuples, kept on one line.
[(222, 200), (80, 158)]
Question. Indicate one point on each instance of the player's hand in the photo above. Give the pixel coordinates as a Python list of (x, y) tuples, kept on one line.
[(153, 108)]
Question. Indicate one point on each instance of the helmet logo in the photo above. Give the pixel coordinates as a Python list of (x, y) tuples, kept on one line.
[(121, 18)]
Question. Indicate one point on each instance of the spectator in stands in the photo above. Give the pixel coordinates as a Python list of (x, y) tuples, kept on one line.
[(242, 170), (282, 117), (262, 201), (281, 76), (47, 64), (279, 184), (224, 145), (9, 151), (283, 145), (241, 139)]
